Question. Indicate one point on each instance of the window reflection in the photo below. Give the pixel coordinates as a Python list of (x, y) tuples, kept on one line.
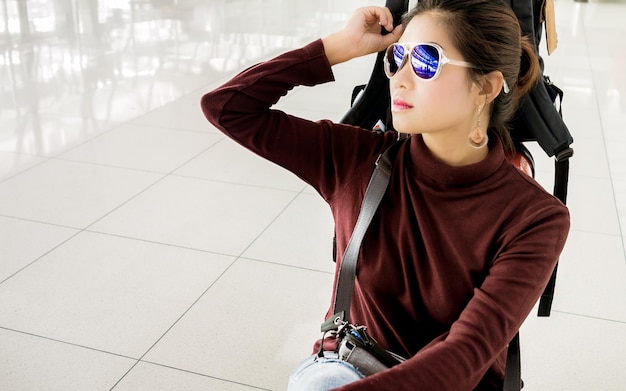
[(80, 66)]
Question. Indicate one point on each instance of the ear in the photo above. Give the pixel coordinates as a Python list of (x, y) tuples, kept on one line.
[(492, 85)]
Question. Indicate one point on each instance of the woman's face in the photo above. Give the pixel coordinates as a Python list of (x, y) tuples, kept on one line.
[(441, 107)]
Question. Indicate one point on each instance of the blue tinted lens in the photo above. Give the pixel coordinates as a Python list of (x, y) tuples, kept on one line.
[(395, 55), (425, 61)]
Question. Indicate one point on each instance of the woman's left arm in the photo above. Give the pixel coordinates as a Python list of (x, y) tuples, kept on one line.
[(459, 359)]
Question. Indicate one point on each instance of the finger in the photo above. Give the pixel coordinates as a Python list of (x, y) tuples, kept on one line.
[(384, 17), (393, 36), (397, 32), (380, 15)]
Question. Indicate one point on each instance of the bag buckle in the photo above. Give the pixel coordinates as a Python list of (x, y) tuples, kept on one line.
[(335, 322)]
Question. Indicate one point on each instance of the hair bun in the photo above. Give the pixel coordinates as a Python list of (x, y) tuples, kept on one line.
[(529, 70)]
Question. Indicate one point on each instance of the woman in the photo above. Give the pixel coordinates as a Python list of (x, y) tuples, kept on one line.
[(462, 244)]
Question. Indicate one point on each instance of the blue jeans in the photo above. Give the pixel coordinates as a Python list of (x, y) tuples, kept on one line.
[(322, 374)]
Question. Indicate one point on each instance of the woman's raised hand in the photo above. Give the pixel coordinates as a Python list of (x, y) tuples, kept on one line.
[(362, 35)]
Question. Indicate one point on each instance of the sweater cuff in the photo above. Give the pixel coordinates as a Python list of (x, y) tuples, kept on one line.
[(319, 62)]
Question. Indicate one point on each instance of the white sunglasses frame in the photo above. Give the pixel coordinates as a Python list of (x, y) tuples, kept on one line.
[(443, 60)]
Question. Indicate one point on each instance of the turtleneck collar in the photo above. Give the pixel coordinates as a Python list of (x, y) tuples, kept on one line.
[(437, 172)]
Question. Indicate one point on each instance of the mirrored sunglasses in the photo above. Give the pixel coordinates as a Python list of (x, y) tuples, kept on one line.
[(426, 59)]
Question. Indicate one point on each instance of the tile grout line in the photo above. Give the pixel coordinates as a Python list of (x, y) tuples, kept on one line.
[(122, 356), (57, 156), (237, 258), (40, 257), (66, 343), (163, 177), (590, 317), (202, 374)]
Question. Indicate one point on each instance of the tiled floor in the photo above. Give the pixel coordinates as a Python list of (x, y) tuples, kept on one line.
[(140, 250)]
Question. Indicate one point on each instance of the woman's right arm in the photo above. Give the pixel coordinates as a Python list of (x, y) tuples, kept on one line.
[(241, 110), (241, 107)]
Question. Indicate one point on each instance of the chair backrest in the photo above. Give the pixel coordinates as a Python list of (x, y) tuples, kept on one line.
[(523, 160)]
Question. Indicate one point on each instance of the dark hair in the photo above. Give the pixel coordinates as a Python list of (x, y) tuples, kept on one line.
[(488, 35)]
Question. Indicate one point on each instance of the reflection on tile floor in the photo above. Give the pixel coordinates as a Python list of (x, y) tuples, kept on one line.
[(140, 250)]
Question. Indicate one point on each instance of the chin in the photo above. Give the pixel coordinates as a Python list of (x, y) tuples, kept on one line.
[(403, 127)]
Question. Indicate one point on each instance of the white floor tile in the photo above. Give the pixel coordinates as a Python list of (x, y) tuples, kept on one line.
[(569, 353), (146, 376), (590, 159), (143, 147), (48, 134), (12, 164), (22, 242), (200, 214), (619, 186), (613, 124), (584, 192), (301, 236), (583, 124), (68, 193), (617, 159), (269, 314), (227, 161), (590, 277), (183, 114), (137, 88), (32, 363), (108, 293)]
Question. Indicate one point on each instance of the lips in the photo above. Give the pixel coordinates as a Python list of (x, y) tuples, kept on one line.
[(398, 104)]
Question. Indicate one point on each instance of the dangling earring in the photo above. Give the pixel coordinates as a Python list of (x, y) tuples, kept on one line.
[(476, 135)]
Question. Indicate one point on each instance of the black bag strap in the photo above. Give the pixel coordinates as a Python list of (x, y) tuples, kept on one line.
[(561, 177), (513, 373), (374, 193)]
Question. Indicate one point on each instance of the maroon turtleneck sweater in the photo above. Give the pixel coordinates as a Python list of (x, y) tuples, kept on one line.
[(455, 258)]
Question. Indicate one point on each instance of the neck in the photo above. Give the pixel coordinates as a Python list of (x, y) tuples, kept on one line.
[(452, 153)]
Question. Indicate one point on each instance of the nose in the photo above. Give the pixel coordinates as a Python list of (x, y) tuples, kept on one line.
[(403, 78)]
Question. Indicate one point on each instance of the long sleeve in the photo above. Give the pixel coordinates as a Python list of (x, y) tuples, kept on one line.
[(322, 153), (459, 358)]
